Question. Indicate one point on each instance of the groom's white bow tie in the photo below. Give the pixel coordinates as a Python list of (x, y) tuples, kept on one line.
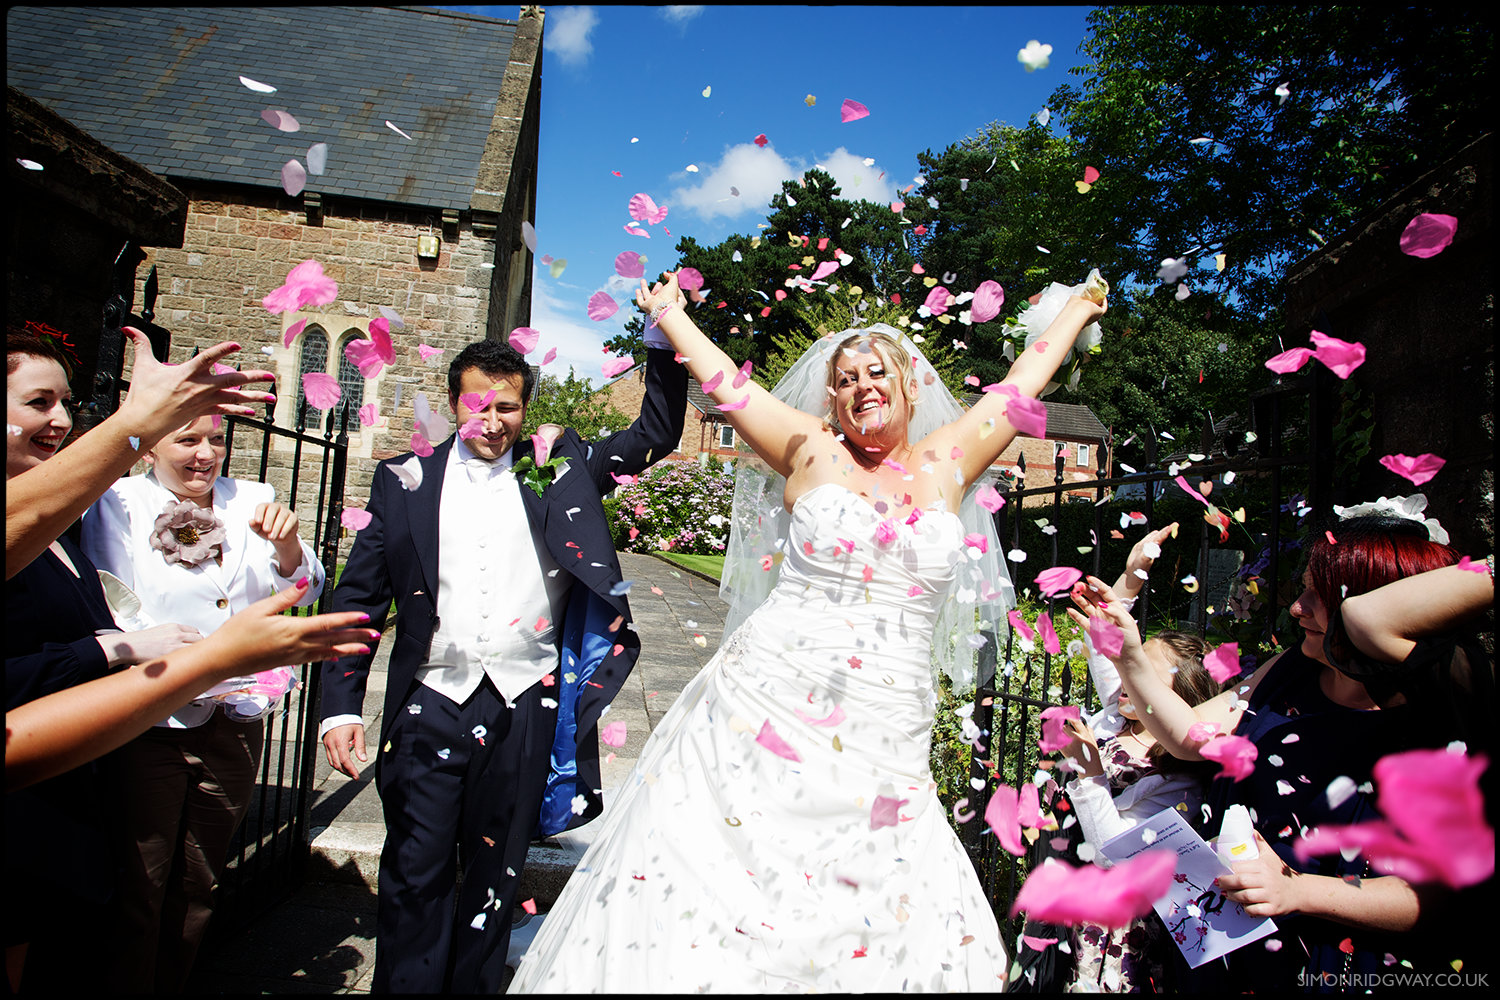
[(481, 470)]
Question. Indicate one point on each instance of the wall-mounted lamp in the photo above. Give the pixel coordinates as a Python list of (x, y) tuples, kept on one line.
[(428, 246)]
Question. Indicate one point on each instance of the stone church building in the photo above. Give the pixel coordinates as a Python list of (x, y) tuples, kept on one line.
[(431, 121)]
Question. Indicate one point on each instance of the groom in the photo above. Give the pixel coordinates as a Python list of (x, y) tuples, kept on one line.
[(512, 635)]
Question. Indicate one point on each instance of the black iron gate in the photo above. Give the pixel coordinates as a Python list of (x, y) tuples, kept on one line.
[(1289, 425), (269, 852)]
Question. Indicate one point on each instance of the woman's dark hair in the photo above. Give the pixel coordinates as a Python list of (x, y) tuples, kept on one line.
[(1191, 682), (37, 340), (495, 360)]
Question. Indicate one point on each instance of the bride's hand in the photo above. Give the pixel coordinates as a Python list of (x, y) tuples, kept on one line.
[(660, 293)]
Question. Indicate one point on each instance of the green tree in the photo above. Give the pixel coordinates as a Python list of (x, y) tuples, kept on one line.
[(1257, 132), (572, 402)]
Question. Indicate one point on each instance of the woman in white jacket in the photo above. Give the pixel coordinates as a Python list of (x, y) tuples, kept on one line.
[(194, 548)]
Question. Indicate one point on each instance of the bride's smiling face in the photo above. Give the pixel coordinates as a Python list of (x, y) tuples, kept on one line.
[(869, 394)]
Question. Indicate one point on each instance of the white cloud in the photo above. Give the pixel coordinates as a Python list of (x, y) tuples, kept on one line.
[(564, 324), (567, 34), (856, 181), (681, 13), (755, 171)]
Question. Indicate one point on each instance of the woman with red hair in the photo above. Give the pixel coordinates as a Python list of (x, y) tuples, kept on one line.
[(1382, 668)]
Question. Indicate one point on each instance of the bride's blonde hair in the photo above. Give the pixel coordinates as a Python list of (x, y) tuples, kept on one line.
[(896, 357)]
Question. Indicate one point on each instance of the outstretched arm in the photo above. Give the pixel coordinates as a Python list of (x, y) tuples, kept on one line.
[(1385, 623), (41, 502), (985, 431), (772, 428)]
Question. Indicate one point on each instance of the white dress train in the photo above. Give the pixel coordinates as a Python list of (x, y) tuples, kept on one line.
[(781, 832)]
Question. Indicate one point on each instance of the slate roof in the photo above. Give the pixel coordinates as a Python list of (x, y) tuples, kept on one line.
[(161, 86), (1065, 421)]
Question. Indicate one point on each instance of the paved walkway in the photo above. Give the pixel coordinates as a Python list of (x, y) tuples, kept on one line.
[(321, 939)]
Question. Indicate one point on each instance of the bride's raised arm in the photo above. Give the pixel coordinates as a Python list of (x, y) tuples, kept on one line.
[(773, 429), (981, 445)]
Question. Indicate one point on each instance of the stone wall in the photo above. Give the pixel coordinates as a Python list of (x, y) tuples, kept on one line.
[(239, 245)]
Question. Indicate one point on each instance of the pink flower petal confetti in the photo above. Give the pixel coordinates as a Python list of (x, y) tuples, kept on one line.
[(689, 279), (280, 120), (1465, 563), (1235, 753), (975, 540), (1190, 491), (1341, 356), (774, 743), (1029, 807), (293, 178), (635, 229), (628, 265), (742, 376), (420, 445), (885, 532), (292, 331), (371, 356), (322, 390), (1019, 624), (524, 338), (1106, 636), (1428, 234), (832, 719), (852, 111), (1223, 663), (1055, 734), (885, 811), (825, 268), (1418, 468), (644, 209), (1050, 640), (1003, 817), (618, 366), (471, 428), (306, 285), (1290, 361), (602, 306), (368, 415), (761, 140), (613, 733), (714, 382), (549, 357), (1058, 893), (1028, 416), (475, 402), (937, 300), (740, 405), (1202, 732), (1058, 580), (988, 298), (1434, 828), (989, 498), (427, 352), (1090, 175), (355, 519)]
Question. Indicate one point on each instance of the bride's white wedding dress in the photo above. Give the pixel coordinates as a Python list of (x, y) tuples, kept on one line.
[(780, 831)]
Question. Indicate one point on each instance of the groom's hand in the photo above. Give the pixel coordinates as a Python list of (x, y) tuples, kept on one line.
[(343, 744)]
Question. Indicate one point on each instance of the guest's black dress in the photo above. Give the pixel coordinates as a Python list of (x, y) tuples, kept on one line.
[(60, 860)]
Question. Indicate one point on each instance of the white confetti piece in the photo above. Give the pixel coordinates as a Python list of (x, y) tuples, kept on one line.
[(257, 86), (393, 128)]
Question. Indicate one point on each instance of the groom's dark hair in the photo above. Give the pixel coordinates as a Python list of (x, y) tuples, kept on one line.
[(495, 359)]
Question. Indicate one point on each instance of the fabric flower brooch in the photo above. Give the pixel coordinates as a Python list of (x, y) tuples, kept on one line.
[(186, 533)]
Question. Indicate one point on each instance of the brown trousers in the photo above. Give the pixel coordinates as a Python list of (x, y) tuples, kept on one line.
[(185, 792)]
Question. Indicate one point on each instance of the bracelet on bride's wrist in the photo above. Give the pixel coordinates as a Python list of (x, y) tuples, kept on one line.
[(657, 312)]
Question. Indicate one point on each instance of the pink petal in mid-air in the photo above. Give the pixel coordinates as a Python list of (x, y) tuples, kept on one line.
[(1090, 175), (293, 177), (420, 445), (1428, 234), (1019, 624), (1058, 893), (618, 366), (1029, 803), (280, 120), (1418, 468), (832, 719), (742, 376), (1290, 361), (768, 739), (306, 285), (1341, 356), (937, 300), (1202, 732), (368, 415), (549, 357), (975, 540), (1055, 734), (1190, 491), (739, 405), (988, 298), (636, 229), (613, 733), (1106, 636), (428, 353), (761, 140), (1235, 753), (321, 390), (1050, 641), (886, 811), (1058, 580), (689, 279), (524, 338), (1223, 663), (355, 519), (989, 498), (852, 111), (471, 428), (628, 265), (602, 306), (1003, 817), (644, 209), (292, 331), (825, 268)]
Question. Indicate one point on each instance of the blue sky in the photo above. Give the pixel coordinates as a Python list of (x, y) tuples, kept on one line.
[(623, 90)]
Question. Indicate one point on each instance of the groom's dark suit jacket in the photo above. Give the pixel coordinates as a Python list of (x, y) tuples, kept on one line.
[(396, 557)]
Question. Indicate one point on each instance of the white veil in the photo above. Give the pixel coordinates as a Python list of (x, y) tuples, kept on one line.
[(983, 591)]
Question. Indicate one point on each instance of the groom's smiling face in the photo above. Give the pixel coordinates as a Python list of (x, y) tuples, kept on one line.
[(502, 414)]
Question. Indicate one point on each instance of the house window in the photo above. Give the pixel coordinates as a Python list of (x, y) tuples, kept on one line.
[(351, 382), (314, 359), (726, 436), (1083, 455)]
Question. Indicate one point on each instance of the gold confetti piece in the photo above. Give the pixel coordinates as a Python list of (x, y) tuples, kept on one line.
[(837, 745), (732, 820), (387, 747), (930, 281), (1082, 186), (700, 641), (1219, 261), (809, 100)]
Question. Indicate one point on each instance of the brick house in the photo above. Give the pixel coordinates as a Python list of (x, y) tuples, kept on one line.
[(427, 227)]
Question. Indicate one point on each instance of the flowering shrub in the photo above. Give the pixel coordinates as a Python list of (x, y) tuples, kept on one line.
[(678, 506)]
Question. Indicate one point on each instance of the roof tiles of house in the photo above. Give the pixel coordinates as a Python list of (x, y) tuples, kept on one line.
[(1065, 421), (161, 86)]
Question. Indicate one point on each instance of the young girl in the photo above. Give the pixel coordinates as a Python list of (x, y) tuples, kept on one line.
[(1122, 777)]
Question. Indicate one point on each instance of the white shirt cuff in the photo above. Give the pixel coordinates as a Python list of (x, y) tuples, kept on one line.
[(334, 721)]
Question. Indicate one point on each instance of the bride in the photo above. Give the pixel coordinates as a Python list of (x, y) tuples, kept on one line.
[(781, 831)]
